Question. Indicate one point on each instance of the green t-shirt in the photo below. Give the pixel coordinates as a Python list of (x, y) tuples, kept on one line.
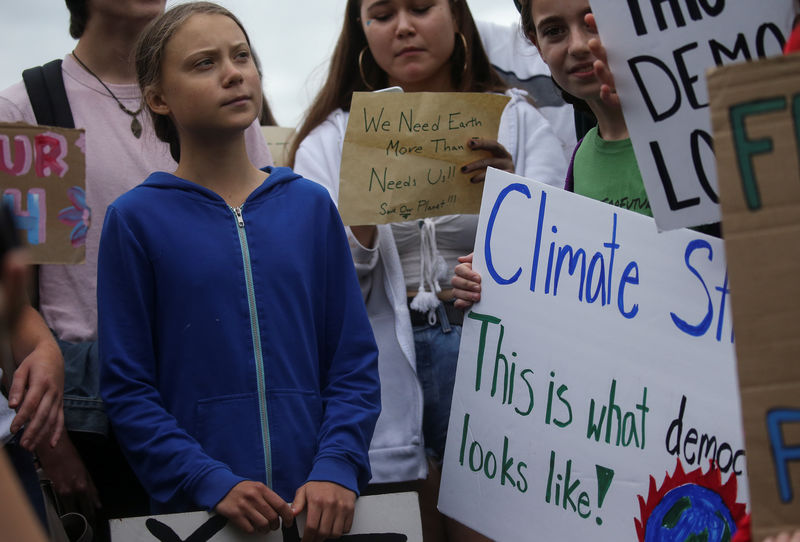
[(607, 171)]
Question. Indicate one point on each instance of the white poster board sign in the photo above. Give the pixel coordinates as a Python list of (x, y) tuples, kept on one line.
[(596, 378), (659, 52), (380, 518)]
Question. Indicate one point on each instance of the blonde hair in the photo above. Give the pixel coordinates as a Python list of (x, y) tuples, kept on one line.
[(149, 57)]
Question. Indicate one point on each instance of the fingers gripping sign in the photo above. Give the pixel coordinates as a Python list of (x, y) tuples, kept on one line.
[(608, 90), (330, 510), (253, 507), (466, 283), (499, 158)]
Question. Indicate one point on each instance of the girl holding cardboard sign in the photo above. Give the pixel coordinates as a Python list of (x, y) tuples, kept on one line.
[(430, 46)]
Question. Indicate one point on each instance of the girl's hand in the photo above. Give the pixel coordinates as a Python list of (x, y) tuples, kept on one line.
[(330, 510), (466, 284), (608, 91), (37, 391), (252, 507), (500, 159), (71, 481)]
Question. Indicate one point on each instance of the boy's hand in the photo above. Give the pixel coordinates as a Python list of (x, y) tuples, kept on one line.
[(500, 159), (608, 90), (71, 481), (466, 283), (252, 507), (330, 510)]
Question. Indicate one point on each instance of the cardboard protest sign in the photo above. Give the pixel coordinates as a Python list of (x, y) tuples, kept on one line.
[(380, 518), (403, 153), (659, 52), (596, 378), (756, 126), (278, 140), (43, 179)]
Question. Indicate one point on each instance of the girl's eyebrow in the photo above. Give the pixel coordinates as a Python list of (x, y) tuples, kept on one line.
[(550, 20), (213, 50), (378, 3)]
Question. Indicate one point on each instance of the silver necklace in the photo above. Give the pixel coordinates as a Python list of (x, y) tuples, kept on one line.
[(136, 126)]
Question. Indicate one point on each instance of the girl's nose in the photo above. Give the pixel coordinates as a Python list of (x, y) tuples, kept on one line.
[(578, 42), (405, 25), (232, 74)]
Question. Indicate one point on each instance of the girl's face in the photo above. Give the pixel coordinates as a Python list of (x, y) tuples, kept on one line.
[(209, 82), (562, 37), (412, 41)]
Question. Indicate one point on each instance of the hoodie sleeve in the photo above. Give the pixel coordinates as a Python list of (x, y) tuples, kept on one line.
[(537, 152), (319, 155), (349, 372), (170, 463)]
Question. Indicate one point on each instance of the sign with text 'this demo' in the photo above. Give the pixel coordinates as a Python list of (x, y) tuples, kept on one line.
[(658, 52)]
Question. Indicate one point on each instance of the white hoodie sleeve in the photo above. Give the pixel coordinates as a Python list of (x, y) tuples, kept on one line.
[(537, 152)]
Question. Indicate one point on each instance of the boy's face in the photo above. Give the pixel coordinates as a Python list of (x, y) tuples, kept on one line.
[(562, 37)]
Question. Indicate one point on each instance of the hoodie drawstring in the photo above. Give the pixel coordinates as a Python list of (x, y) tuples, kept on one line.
[(432, 269)]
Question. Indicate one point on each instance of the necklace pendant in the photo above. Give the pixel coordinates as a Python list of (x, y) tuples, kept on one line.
[(136, 128)]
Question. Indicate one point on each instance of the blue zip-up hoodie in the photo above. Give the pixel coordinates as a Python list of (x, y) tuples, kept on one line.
[(234, 343)]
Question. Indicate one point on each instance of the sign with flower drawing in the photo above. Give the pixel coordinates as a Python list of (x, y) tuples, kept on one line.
[(43, 180)]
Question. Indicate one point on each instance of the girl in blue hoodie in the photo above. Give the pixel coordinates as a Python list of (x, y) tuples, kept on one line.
[(239, 369)]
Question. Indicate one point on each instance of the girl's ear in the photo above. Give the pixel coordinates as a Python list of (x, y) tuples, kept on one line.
[(155, 101)]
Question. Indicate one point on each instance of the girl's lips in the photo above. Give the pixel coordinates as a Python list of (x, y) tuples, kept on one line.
[(238, 100), (409, 51), (583, 71)]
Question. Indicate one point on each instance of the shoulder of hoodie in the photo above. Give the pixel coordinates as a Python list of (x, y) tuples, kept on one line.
[(287, 180), (162, 180)]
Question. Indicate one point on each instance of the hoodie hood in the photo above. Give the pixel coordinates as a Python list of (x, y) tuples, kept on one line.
[(275, 176)]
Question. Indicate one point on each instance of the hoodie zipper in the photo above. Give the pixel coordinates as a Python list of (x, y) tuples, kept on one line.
[(255, 331)]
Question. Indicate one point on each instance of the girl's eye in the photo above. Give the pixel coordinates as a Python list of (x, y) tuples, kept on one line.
[(421, 10), (381, 17), (552, 31), (243, 55), (203, 63)]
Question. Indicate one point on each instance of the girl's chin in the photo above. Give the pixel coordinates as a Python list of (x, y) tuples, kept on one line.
[(586, 91)]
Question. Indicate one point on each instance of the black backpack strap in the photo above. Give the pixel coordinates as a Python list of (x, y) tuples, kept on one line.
[(45, 86)]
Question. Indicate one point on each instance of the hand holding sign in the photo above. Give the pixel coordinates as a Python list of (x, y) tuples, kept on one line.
[(608, 90), (330, 510), (252, 506), (500, 159)]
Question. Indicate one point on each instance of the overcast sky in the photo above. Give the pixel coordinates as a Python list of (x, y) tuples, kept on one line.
[(294, 39)]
